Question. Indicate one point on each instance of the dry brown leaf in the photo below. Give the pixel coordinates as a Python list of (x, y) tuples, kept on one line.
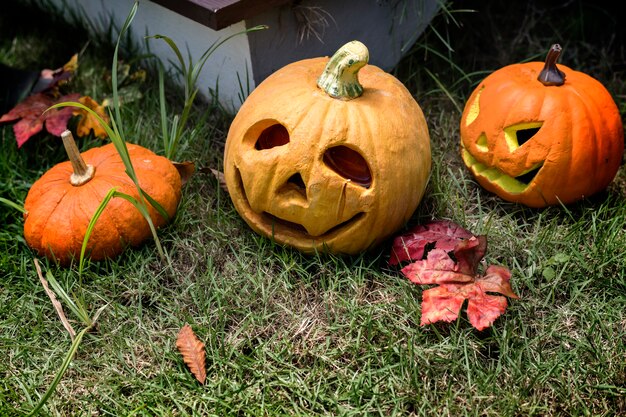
[(193, 353), (221, 180), (185, 170)]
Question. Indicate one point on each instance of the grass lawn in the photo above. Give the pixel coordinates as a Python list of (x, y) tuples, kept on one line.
[(294, 335)]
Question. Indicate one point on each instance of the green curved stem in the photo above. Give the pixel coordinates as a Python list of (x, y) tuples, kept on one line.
[(340, 77)]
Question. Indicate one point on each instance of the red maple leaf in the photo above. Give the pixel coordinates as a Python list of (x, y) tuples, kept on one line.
[(443, 234), (31, 116), (458, 279)]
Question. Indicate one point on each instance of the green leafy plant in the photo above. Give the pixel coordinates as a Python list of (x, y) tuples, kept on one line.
[(190, 72)]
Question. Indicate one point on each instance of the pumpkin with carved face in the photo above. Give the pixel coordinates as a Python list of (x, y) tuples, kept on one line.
[(540, 135), (328, 154)]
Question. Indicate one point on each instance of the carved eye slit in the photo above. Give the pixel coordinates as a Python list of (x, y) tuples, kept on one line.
[(349, 164), (275, 135), (517, 135)]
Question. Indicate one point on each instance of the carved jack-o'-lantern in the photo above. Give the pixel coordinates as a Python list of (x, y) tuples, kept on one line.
[(324, 160), (540, 135)]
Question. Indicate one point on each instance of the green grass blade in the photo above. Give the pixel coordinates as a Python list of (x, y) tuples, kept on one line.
[(163, 108), (157, 206), (116, 98), (79, 311), (195, 71), (66, 363), (92, 223), (144, 211), (444, 90), (122, 150), (173, 140), (174, 47), (11, 204)]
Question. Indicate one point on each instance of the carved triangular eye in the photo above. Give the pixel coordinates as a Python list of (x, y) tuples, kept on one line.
[(518, 135)]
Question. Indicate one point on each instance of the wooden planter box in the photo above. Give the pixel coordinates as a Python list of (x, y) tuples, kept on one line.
[(297, 30)]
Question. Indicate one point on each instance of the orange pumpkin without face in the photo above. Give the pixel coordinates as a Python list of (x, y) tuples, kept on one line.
[(61, 203), (323, 160), (540, 135)]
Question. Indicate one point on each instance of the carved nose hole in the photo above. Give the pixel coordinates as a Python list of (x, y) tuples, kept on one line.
[(297, 180), (294, 183)]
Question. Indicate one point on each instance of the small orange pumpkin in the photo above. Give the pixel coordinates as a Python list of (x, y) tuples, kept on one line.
[(328, 154), (539, 134), (61, 203)]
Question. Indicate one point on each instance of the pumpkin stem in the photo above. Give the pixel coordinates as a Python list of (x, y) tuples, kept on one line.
[(82, 172), (340, 77), (550, 74)]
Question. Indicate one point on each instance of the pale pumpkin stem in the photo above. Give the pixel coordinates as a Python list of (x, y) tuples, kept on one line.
[(340, 77), (82, 172), (550, 74)]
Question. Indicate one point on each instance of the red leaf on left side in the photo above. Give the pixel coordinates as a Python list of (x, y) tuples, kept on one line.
[(31, 116)]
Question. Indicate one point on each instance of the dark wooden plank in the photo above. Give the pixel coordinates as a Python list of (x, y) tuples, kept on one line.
[(218, 14)]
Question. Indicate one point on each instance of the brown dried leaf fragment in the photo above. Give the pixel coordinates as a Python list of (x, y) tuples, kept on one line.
[(192, 350)]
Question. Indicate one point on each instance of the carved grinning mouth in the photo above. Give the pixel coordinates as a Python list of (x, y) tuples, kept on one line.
[(276, 224), (513, 185)]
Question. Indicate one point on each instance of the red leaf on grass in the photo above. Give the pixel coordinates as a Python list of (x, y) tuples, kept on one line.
[(459, 279), (192, 350), (443, 234), (31, 116)]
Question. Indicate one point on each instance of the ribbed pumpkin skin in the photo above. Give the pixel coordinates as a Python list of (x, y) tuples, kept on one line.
[(580, 142), (385, 125), (58, 212)]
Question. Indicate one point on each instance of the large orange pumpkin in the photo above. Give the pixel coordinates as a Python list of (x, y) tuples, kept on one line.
[(540, 135), (61, 203), (328, 154)]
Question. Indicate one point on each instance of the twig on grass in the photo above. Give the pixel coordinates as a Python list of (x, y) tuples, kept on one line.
[(57, 305)]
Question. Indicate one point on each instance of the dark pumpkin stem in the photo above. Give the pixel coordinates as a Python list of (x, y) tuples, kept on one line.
[(550, 74), (340, 77), (82, 172)]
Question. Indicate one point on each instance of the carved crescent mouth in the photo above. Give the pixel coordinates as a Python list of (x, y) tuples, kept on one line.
[(513, 185), (275, 225)]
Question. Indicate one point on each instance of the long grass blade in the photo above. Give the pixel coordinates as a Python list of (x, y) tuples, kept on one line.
[(174, 48), (79, 312), (116, 98), (195, 71), (158, 207), (66, 363), (13, 205), (92, 223), (444, 90), (163, 108), (143, 210)]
